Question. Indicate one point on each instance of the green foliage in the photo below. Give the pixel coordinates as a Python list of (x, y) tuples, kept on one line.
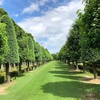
[(71, 49), (13, 55), (63, 53), (48, 55), (38, 52), (3, 43), (91, 24), (25, 43), (55, 56), (2, 12), (22, 40), (31, 55), (23, 47), (73, 41), (43, 54)]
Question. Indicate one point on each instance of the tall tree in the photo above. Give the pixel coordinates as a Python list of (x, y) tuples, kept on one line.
[(62, 54), (38, 53), (73, 42), (30, 52), (22, 44), (48, 56), (13, 55), (91, 24)]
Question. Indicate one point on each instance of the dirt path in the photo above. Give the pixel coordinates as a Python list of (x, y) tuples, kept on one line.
[(87, 79), (4, 86)]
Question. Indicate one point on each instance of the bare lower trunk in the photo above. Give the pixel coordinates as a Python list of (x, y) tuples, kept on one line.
[(7, 73), (94, 71), (37, 63), (20, 72), (33, 65), (84, 67), (68, 63), (42, 62), (20, 64), (65, 61), (77, 65), (28, 66), (13, 65), (73, 65)]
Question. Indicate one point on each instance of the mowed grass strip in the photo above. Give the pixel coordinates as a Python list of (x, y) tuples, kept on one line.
[(52, 81)]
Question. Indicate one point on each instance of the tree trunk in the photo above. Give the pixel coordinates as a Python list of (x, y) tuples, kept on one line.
[(65, 61), (68, 63), (2, 67), (7, 72), (37, 63), (84, 67), (42, 62), (20, 64), (20, 69), (28, 63), (33, 65), (94, 71), (73, 65), (77, 65)]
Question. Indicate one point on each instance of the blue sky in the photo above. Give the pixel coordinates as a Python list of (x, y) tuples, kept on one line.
[(48, 21)]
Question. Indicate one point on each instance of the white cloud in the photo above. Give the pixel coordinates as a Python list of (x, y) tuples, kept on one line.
[(54, 25), (33, 7), (42, 2), (1, 2), (16, 15)]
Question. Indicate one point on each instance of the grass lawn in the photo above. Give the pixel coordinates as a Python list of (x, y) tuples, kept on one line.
[(51, 81)]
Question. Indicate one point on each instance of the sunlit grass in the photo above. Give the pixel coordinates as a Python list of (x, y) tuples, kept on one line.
[(51, 81)]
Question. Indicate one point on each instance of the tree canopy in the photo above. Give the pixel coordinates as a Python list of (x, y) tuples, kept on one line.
[(3, 43)]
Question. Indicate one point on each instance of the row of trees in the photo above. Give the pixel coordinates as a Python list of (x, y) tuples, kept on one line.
[(17, 46), (83, 42)]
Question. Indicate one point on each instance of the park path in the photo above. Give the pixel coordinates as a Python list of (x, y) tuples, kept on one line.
[(52, 81)]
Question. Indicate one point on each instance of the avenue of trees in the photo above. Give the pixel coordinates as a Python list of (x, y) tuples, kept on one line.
[(17, 46), (83, 42)]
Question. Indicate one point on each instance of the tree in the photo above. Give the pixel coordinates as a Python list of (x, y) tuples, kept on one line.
[(13, 55), (38, 53), (30, 52), (62, 53), (43, 55), (48, 56), (22, 44), (91, 25), (73, 43)]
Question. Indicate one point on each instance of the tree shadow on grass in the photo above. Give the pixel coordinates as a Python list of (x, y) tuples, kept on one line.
[(70, 75), (64, 72), (76, 78), (58, 72), (61, 67), (72, 89)]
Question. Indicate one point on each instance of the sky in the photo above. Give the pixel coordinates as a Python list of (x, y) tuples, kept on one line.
[(48, 21)]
